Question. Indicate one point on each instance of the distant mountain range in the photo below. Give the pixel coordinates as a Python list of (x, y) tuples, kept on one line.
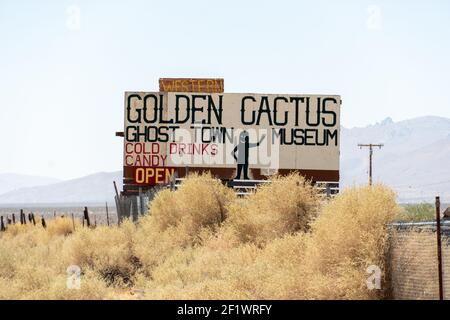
[(415, 161), (95, 188), (11, 181)]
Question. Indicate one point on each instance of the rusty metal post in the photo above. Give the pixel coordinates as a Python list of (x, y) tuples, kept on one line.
[(439, 249)]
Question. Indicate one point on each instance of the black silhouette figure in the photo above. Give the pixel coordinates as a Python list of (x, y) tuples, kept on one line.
[(242, 150)]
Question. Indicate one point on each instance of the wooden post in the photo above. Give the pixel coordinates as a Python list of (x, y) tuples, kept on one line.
[(107, 214), (439, 251), (328, 190), (172, 183), (2, 224), (23, 220), (140, 206), (32, 218), (44, 225), (370, 145), (14, 218), (134, 209), (86, 216), (118, 204)]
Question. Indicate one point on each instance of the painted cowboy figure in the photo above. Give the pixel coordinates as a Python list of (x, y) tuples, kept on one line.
[(242, 150)]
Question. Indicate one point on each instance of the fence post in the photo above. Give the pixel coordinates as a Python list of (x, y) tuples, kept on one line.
[(32, 218), (107, 214), (21, 216), (119, 207), (439, 253), (86, 216), (142, 202), (14, 218), (134, 208), (44, 225), (172, 182), (328, 189), (2, 224)]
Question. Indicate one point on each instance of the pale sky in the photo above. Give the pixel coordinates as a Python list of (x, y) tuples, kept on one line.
[(64, 65)]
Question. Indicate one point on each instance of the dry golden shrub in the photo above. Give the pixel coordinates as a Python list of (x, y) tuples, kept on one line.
[(286, 205), (177, 218), (60, 226), (349, 235), (107, 250), (200, 242), (28, 260), (199, 202), (199, 272), (92, 287), (328, 262)]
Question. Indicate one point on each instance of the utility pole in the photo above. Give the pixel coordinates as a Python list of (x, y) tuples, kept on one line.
[(370, 146)]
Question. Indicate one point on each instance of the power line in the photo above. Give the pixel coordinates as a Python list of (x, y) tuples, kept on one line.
[(370, 146)]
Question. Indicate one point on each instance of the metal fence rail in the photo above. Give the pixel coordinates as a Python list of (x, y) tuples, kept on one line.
[(247, 187), (413, 260), (420, 258)]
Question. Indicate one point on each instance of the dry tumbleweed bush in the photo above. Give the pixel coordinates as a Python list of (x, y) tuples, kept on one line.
[(202, 242)]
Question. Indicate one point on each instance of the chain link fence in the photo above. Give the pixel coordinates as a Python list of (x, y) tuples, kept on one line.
[(413, 259)]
